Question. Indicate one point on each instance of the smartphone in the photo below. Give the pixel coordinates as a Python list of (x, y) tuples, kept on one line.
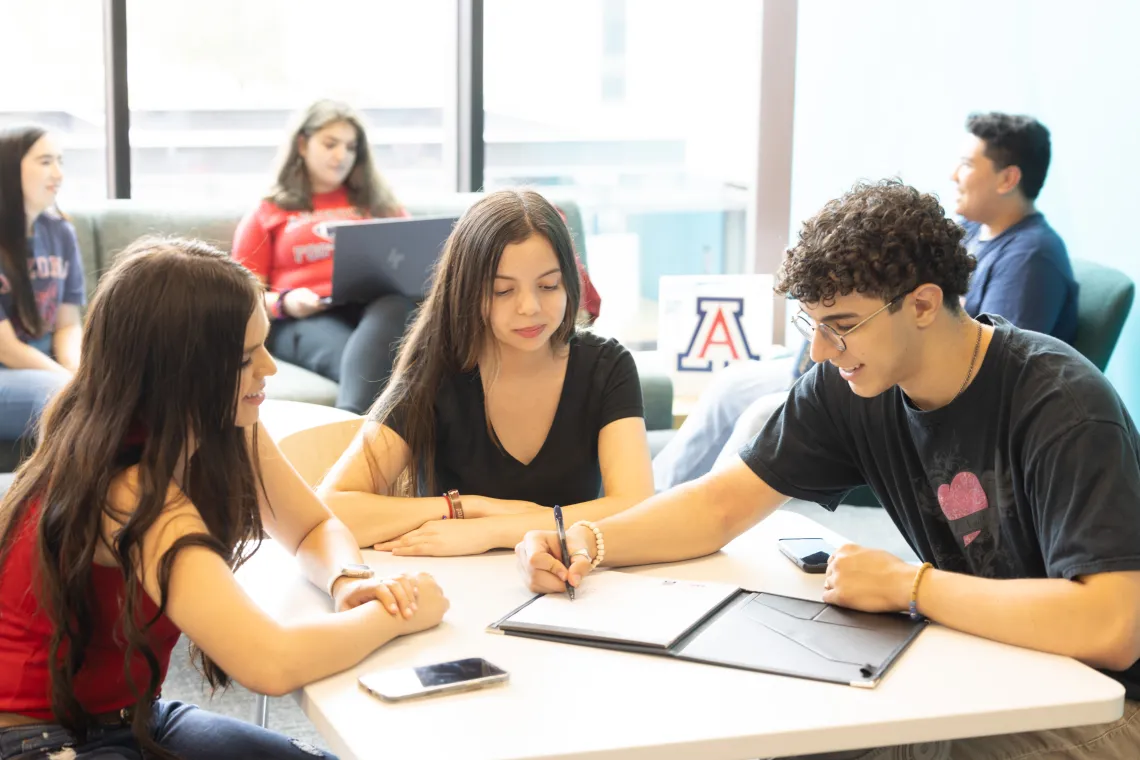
[(442, 678), (809, 554)]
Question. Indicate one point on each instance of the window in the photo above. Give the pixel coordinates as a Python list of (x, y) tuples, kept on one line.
[(214, 84), (647, 113), (52, 57)]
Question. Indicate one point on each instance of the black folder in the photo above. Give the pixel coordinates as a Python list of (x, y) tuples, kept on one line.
[(763, 632)]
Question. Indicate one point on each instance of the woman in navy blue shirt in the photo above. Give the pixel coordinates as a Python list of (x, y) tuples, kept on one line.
[(41, 279)]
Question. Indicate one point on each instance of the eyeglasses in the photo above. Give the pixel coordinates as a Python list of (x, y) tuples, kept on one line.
[(807, 326)]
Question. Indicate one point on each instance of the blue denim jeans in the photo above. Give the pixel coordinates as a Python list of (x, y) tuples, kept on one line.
[(24, 393), (183, 729), (719, 424), (350, 345)]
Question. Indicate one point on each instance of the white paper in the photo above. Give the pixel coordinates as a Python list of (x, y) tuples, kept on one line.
[(624, 607)]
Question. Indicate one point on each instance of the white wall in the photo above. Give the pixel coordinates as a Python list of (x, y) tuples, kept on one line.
[(883, 88)]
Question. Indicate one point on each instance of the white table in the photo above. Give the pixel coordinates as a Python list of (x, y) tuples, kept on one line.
[(576, 702)]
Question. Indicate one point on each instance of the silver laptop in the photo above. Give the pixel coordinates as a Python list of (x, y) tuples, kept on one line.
[(379, 257)]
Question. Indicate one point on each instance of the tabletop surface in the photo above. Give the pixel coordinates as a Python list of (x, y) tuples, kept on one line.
[(567, 701)]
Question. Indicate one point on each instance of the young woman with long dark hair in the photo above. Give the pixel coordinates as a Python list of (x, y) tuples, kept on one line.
[(325, 173), (498, 400), (152, 482)]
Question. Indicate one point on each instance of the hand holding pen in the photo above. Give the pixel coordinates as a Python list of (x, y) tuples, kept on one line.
[(562, 544)]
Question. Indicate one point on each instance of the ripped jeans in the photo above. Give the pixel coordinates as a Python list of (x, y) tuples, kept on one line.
[(183, 729)]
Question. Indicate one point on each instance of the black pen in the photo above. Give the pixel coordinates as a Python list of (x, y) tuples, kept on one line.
[(565, 552)]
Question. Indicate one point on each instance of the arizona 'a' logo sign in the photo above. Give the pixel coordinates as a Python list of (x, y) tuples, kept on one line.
[(718, 338)]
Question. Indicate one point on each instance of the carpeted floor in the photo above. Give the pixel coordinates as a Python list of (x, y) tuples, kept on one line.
[(184, 683)]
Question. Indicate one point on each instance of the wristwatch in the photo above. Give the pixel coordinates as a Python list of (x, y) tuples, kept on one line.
[(351, 571)]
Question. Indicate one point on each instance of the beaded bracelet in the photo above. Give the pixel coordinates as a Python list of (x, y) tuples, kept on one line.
[(601, 543), (914, 613)]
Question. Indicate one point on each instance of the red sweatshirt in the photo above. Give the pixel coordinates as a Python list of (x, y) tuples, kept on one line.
[(590, 301), (293, 249)]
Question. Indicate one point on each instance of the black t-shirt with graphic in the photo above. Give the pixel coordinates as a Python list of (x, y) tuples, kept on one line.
[(1033, 472), (600, 387)]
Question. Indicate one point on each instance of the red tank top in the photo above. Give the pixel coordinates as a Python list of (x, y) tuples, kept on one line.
[(25, 633)]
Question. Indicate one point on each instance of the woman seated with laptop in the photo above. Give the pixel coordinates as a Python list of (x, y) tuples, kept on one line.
[(326, 175), (499, 407)]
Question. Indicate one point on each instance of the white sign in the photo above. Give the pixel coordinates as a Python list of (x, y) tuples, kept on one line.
[(709, 321)]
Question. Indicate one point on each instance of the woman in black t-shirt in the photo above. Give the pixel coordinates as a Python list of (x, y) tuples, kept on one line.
[(497, 401)]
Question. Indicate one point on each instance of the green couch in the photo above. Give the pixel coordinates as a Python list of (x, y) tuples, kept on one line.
[(106, 230)]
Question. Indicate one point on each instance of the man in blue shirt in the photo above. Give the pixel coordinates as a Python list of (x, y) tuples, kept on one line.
[(1023, 269), (1023, 275)]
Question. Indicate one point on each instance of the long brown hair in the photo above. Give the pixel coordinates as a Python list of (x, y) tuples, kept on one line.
[(15, 142), (452, 327), (162, 354), (367, 189)]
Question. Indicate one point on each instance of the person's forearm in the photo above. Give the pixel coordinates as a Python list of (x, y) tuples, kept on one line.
[(373, 518), (320, 647), (328, 547), (689, 521), (66, 346), (692, 520), (510, 529), (1049, 615), (19, 355)]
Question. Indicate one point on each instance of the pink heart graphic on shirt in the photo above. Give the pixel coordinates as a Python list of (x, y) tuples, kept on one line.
[(963, 497)]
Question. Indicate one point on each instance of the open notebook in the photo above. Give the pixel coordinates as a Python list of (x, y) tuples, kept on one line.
[(718, 624)]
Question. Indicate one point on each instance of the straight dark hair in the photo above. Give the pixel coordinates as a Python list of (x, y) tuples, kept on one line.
[(367, 189), (15, 142), (452, 329), (162, 353)]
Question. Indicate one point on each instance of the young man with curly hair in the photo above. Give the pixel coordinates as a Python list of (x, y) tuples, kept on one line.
[(1005, 458), (1023, 275)]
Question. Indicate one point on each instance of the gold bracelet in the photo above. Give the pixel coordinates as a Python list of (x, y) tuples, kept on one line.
[(914, 613)]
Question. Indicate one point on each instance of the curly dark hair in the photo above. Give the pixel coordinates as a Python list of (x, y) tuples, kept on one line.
[(880, 239), (1019, 141)]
